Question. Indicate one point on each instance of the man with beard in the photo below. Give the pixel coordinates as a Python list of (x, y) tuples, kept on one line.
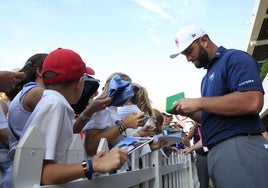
[(232, 97)]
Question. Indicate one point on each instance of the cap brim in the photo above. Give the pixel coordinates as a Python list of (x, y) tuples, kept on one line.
[(174, 55), (88, 77), (90, 71)]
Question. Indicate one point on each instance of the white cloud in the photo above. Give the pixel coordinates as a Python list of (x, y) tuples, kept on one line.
[(152, 6)]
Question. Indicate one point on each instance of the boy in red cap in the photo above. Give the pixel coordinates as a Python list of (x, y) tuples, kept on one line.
[(62, 73)]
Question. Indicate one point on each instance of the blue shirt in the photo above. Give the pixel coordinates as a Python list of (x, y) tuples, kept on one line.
[(230, 71)]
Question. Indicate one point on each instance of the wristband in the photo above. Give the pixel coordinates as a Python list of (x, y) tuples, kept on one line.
[(121, 127), (90, 169), (87, 171), (84, 118)]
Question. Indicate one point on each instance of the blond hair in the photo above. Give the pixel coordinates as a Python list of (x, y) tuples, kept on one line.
[(141, 99)]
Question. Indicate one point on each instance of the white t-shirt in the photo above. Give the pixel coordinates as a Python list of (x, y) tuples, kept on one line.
[(123, 112), (54, 117), (104, 120)]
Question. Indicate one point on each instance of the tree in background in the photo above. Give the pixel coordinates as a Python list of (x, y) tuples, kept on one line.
[(264, 69)]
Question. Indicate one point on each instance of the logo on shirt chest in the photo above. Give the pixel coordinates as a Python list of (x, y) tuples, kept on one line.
[(211, 77)]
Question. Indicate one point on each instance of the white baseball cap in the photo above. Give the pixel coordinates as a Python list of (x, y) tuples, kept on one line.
[(186, 36)]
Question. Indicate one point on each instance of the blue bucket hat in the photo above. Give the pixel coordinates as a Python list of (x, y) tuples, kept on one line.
[(120, 91)]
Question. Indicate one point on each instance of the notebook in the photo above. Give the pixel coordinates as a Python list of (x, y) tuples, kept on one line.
[(172, 138), (131, 144), (171, 100)]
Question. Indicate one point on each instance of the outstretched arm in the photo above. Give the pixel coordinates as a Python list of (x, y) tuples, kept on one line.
[(196, 146), (54, 173), (94, 106)]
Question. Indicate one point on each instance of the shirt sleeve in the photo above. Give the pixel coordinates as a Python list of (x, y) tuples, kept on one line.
[(243, 72), (49, 120)]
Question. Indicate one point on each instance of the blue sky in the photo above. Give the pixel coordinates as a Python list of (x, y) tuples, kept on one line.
[(131, 36)]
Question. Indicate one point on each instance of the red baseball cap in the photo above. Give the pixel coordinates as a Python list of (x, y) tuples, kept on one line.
[(67, 64), (90, 71)]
